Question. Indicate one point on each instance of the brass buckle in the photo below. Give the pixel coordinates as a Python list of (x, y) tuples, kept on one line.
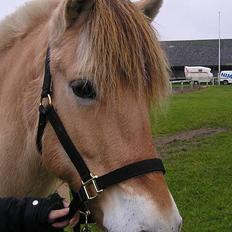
[(88, 184), (48, 102)]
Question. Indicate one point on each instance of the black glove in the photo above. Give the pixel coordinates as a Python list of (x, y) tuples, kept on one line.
[(35, 218)]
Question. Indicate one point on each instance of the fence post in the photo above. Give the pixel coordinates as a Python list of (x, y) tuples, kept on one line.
[(170, 87), (191, 84), (182, 87)]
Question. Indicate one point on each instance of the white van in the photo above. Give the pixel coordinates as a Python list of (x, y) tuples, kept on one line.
[(226, 77), (198, 74)]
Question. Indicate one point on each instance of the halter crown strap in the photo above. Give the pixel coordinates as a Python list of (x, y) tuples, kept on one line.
[(47, 84), (46, 93)]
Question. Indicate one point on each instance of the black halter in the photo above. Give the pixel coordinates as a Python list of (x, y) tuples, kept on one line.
[(92, 185)]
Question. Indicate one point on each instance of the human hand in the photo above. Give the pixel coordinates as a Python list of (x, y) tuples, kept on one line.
[(56, 214)]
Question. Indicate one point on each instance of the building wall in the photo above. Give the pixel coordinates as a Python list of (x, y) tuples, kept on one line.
[(197, 53)]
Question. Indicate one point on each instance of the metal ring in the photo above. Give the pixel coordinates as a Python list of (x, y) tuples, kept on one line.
[(49, 100), (86, 213)]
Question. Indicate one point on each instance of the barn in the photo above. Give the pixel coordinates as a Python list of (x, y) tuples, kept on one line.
[(198, 53)]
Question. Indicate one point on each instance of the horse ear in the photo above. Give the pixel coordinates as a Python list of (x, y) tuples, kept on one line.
[(75, 9), (67, 13), (149, 7)]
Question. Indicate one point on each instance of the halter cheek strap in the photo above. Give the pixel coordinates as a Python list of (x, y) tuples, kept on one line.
[(92, 185)]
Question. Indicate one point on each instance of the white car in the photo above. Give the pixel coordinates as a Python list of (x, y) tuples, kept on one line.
[(226, 77)]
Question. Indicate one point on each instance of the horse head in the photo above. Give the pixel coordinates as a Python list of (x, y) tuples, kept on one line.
[(108, 68)]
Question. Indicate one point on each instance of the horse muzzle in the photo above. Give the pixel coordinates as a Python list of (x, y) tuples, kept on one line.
[(138, 213)]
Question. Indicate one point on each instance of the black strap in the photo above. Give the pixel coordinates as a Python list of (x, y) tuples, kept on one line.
[(41, 127), (47, 83), (66, 142), (132, 170), (122, 174), (46, 91)]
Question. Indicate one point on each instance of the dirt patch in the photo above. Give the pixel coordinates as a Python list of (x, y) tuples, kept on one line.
[(180, 141), (188, 135)]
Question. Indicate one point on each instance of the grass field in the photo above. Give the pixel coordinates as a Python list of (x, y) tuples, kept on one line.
[(199, 171), (200, 177)]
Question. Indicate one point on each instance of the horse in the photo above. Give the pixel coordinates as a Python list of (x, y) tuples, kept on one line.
[(108, 70)]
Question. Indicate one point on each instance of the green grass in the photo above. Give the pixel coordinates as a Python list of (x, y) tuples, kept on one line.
[(210, 107), (93, 229), (200, 180), (200, 177)]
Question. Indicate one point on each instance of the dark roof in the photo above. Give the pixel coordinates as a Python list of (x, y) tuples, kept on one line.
[(198, 52)]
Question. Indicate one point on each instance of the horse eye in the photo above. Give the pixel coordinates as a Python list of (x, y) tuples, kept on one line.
[(83, 89)]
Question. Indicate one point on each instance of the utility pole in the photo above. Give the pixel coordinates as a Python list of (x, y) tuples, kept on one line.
[(219, 46)]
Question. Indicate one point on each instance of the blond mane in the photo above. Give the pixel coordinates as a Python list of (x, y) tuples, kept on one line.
[(125, 51)]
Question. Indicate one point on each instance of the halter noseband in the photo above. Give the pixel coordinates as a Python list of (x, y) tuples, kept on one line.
[(92, 185)]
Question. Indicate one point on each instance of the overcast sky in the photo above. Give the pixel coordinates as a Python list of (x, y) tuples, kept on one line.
[(178, 19)]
